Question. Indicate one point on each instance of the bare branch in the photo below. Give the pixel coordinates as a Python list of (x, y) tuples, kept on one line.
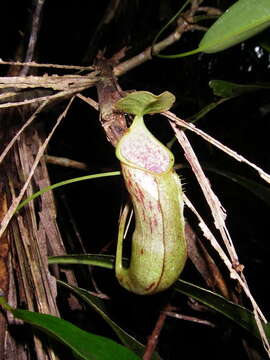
[(36, 20), (53, 66), (27, 123), (153, 338), (62, 161), (258, 314), (190, 318), (216, 143), (185, 23), (54, 82)]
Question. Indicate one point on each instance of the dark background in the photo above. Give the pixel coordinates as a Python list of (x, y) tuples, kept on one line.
[(72, 33)]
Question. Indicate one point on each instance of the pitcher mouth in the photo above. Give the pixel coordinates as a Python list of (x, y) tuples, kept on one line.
[(140, 149)]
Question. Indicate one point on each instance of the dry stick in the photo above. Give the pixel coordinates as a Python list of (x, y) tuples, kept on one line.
[(54, 82), (65, 162), (190, 318), (234, 274), (56, 96), (62, 82), (218, 215), (153, 338), (53, 66), (216, 143), (127, 65), (89, 101), (17, 200), (218, 212), (83, 82), (146, 55), (36, 20), (27, 123), (30, 120)]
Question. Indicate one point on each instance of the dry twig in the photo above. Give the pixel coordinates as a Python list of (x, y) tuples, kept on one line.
[(217, 144), (12, 209), (51, 66), (36, 22), (189, 318), (153, 338)]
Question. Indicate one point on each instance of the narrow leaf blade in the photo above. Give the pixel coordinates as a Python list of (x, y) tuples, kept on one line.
[(228, 89), (98, 305), (240, 315), (242, 20), (86, 346), (237, 313), (105, 261), (65, 182)]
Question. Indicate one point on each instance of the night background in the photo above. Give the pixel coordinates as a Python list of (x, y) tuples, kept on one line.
[(72, 33)]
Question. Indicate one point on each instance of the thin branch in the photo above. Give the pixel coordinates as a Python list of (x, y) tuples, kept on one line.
[(65, 162), (218, 214), (53, 66), (259, 316), (89, 101), (36, 20), (55, 82), (25, 125), (153, 338), (59, 95), (217, 209), (190, 318), (216, 143), (146, 55)]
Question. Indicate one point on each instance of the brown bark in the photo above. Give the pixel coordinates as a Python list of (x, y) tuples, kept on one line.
[(32, 235), (109, 91)]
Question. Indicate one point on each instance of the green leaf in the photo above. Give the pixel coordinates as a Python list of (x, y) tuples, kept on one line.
[(143, 102), (240, 315), (105, 261), (65, 182), (84, 345), (228, 89), (98, 305), (242, 20), (237, 313)]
